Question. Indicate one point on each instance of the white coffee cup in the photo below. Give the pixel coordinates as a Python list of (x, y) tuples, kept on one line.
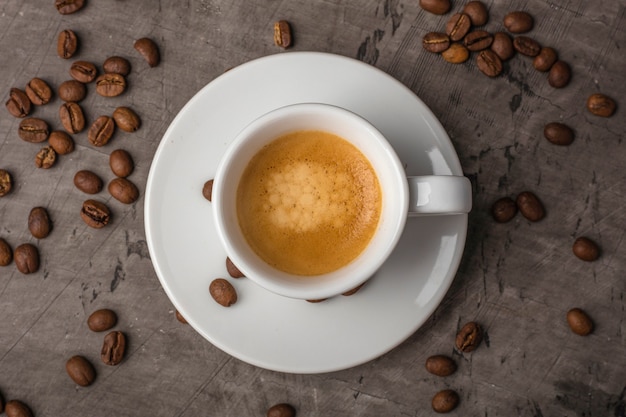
[(402, 197)]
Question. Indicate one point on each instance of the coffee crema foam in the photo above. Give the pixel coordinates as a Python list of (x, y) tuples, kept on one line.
[(309, 202)]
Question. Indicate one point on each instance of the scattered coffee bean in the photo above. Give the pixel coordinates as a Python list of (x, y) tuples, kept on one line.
[(39, 223), (458, 26), (95, 214), (33, 130), (101, 131), (116, 65), (436, 42), (502, 45), (445, 401), (61, 142), (436, 6), (72, 90), (526, 46), (110, 85), (546, 58), (504, 209), (317, 300), (38, 91), (149, 50), (80, 370), (16, 408), (223, 292), (69, 6), (180, 318), (233, 271), (282, 34), (281, 410), (45, 158), (18, 104), (530, 206), (126, 119), (477, 12), (67, 44), (83, 71), (88, 182), (469, 337), (478, 40), (26, 257), (455, 54), (488, 63), (6, 182), (207, 189), (113, 348), (353, 290), (601, 105), (518, 22), (121, 163), (102, 320), (440, 365), (72, 117), (123, 190), (558, 133), (560, 74), (6, 253), (586, 249), (579, 322)]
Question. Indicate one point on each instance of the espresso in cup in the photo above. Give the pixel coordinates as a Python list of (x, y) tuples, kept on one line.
[(309, 202)]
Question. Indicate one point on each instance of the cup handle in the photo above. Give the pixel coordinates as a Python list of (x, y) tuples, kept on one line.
[(439, 194)]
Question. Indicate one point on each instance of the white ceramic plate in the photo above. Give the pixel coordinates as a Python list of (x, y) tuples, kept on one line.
[(264, 329)]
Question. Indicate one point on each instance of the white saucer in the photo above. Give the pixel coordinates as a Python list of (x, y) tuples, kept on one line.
[(264, 329)]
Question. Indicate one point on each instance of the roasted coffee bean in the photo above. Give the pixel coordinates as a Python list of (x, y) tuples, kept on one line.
[(440, 365), (579, 322), (6, 182), (72, 90), (88, 182), (39, 223), (504, 209), (126, 119), (458, 26), (316, 300), (113, 348), (121, 163), (95, 214), (101, 131), (469, 337), (102, 320), (436, 6), (116, 65), (601, 105), (149, 50), (546, 58), (61, 142), (518, 22), (502, 45), (83, 71), (80, 370), (207, 189), (282, 34), (489, 63), (353, 290), (110, 85), (478, 40), (560, 74), (445, 401), (558, 133), (223, 292), (233, 271), (477, 12), (281, 410), (69, 6), (436, 42), (18, 104), (526, 46), (45, 158), (67, 44), (38, 91), (33, 130), (16, 408), (455, 54), (586, 249), (180, 318), (123, 190), (530, 206), (6, 253), (72, 117), (26, 257)]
